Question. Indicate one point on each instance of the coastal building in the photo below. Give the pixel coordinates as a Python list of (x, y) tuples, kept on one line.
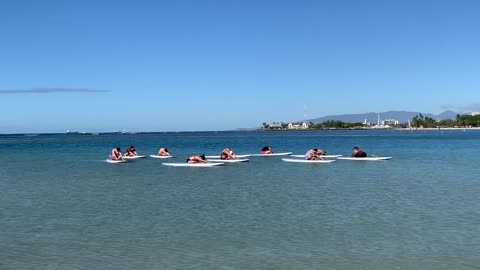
[(390, 122), (475, 113), (297, 126), (275, 125)]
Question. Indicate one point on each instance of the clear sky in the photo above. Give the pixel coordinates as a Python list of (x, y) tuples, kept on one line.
[(218, 65)]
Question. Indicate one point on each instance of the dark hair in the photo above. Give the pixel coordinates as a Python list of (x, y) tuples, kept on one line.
[(118, 149), (315, 149), (166, 150), (266, 148), (188, 159), (356, 147), (202, 156)]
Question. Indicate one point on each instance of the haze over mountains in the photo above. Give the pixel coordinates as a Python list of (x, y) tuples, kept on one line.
[(401, 116)]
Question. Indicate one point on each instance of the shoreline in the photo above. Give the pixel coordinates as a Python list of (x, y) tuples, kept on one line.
[(439, 128)]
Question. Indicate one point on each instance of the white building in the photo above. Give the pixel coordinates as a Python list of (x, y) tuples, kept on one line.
[(390, 122), (297, 126), (475, 113)]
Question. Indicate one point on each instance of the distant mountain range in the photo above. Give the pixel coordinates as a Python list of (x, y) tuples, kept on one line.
[(401, 116)]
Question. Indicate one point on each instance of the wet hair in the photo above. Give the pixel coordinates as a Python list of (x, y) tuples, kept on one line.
[(202, 156), (315, 149), (166, 150), (188, 159), (266, 148), (355, 148), (118, 149)]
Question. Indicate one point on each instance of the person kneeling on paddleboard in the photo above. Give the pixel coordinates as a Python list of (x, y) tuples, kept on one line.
[(266, 150), (314, 154), (227, 153), (358, 153), (131, 152), (116, 154), (197, 159), (163, 152)]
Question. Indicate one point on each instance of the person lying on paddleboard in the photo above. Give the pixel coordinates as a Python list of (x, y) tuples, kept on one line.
[(131, 152), (163, 152), (197, 159), (227, 153), (116, 154), (314, 154), (358, 153), (266, 150)]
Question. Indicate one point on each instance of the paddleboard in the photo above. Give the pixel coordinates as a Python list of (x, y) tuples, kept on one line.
[(194, 164), (365, 158), (228, 160), (271, 155), (116, 161), (156, 156), (238, 156), (133, 157), (308, 161), (323, 156)]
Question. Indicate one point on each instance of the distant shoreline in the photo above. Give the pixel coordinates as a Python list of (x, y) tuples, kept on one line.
[(439, 128), (243, 130), (376, 129)]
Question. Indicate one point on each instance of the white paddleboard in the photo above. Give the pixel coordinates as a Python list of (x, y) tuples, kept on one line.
[(308, 161), (365, 158), (116, 161), (323, 156), (133, 157), (194, 164), (228, 160), (156, 156), (271, 155), (238, 156)]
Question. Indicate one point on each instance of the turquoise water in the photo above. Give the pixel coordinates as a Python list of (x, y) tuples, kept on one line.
[(64, 207)]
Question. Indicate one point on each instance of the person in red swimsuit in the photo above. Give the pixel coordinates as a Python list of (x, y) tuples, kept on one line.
[(266, 150), (197, 159), (358, 153)]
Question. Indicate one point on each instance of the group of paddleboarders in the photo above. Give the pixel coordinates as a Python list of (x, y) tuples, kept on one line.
[(227, 153), (131, 152)]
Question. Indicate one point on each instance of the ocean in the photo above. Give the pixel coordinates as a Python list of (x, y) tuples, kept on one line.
[(64, 207)]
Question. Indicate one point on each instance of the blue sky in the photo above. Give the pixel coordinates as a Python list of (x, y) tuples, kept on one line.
[(219, 65)]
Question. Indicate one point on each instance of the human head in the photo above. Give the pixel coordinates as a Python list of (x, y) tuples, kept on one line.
[(118, 149), (203, 156), (315, 149), (355, 148), (166, 150)]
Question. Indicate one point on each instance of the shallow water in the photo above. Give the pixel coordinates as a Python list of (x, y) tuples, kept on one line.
[(64, 207)]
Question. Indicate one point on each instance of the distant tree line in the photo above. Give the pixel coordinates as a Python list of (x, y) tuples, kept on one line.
[(460, 121), (336, 124)]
